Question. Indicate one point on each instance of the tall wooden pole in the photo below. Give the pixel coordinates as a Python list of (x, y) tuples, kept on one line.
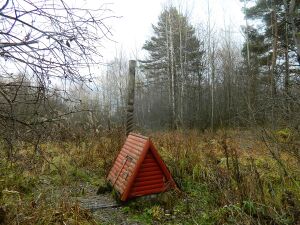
[(130, 98)]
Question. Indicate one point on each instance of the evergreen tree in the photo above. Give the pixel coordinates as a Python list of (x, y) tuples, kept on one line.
[(270, 51), (174, 60)]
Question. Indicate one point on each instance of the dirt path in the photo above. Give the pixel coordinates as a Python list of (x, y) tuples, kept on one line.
[(104, 208)]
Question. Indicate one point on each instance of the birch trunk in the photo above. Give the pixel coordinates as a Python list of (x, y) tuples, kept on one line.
[(172, 55)]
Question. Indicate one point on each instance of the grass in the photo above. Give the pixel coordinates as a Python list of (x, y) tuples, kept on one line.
[(229, 177), (39, 189)]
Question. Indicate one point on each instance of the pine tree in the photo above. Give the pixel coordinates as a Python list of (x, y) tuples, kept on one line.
[(174, 58), (270, 50)]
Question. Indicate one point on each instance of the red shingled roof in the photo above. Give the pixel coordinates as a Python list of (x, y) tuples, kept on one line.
[(139, 170)]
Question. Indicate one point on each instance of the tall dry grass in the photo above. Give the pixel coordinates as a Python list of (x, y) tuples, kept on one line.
[(249, 185), (227, 177)]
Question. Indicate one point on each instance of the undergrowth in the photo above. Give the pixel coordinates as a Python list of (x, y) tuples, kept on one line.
[(229, 177)]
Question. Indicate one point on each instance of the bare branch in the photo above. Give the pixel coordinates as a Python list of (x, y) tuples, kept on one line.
[(3, 45)]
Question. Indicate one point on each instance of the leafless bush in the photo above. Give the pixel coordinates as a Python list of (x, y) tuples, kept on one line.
[(54, 46)]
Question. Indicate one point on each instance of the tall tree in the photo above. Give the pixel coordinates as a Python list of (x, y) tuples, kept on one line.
[(174, 59), (270, 50)]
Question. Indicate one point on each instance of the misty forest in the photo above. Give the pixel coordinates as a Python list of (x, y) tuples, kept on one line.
[(220, 105)]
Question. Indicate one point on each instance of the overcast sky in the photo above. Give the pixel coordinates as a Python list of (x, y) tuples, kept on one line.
[(134, 27)]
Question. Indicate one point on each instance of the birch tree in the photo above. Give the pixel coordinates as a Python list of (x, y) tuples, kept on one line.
[(174, 58)]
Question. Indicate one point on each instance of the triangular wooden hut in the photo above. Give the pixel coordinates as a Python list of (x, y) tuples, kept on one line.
[(139, 170)]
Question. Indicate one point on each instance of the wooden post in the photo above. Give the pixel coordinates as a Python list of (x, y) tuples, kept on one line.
[(130, 99)]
